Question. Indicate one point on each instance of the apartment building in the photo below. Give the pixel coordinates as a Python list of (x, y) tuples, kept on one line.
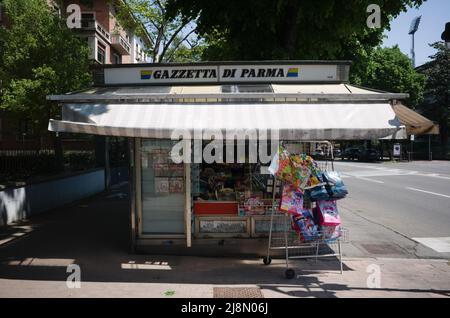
[(109, 43)]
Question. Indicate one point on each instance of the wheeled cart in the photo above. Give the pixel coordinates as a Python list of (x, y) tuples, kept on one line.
[(282, 236)]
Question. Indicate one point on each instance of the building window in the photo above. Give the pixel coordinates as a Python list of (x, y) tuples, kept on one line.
[(101, 53), (116, 59)]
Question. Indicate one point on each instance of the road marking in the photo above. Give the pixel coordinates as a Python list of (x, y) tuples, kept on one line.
[(439, 244), (388, 171), (434, 175), (429, 192), (371, 180)]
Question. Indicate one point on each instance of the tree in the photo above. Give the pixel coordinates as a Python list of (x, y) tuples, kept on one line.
[(390, 70), (39, 56), (171, 37), (437, 92), (288, 29)]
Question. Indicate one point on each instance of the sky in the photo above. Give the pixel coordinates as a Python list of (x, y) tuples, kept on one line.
[(435, 13)]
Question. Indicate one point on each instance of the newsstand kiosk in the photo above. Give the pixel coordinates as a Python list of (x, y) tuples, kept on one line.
[(218, 199)]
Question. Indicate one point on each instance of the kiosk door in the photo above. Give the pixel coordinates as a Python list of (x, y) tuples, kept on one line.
[(162, 190)]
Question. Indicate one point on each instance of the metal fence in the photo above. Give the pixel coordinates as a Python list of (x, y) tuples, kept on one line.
[(21, 165)]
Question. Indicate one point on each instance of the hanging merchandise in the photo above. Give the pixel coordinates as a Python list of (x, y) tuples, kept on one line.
[(330, 233), (317, 193), (303, 177), (328, 213), (335, 184), (286, 171), (301, 166), (308, 198), (291, 200), (316, 175), (306, 228), (332, 189)]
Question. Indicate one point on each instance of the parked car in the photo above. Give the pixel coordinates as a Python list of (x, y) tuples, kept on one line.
[(369, 155), (337, 153), (351, 153), (318, 154)]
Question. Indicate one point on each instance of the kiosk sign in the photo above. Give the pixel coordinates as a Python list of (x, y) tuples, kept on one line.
[(184, 73)]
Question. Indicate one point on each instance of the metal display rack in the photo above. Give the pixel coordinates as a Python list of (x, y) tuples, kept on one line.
[(283, 237)]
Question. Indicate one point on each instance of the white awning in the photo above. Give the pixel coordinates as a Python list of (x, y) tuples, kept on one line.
[(293, 121)]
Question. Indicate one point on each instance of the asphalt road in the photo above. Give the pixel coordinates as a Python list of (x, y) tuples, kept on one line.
[(397, 209)]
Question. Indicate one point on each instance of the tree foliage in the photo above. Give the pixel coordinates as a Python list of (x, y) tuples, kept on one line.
[(39, 56), (437, 91), (171, 37), (288, 29), (388, 69)]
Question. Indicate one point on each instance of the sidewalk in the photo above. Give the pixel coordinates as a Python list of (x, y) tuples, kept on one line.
[(94, 235)]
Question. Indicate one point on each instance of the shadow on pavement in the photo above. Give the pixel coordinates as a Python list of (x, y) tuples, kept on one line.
[(94, 235)]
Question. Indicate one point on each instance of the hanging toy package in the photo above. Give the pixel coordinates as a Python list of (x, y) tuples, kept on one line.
[(291, 200), (328, 213), (302, 177), (308, 204), (305, 227)]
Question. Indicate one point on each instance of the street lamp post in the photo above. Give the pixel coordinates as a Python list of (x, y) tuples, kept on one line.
[(412, 30)]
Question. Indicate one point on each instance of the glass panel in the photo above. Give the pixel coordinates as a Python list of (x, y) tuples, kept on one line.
[(162, 189)]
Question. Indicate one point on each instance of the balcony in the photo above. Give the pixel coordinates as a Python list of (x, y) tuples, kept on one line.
[(93, 25), (120, 44)]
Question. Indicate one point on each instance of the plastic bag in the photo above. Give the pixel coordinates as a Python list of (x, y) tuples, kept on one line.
[(333, 188), (335, 184)]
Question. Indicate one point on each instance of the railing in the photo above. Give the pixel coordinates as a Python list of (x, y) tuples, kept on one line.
[(121, 42), (94, 25), (17, 165)]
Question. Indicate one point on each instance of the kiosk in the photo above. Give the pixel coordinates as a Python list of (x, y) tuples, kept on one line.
[(218, 109)]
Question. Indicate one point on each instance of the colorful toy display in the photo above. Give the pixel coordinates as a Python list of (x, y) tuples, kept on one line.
[(302, 176)]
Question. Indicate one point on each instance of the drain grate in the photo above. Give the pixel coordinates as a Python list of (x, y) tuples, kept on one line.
[(237, 292), (382, 249)]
